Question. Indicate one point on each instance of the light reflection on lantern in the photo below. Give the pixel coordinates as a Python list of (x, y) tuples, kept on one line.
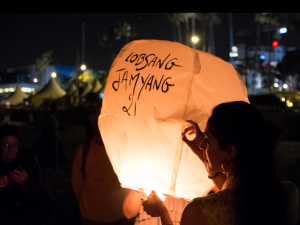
[(145, 106)]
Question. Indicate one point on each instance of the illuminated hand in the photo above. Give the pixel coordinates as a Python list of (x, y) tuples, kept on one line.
[(3, 181), (194, 144), (153, 205), (18, 176)]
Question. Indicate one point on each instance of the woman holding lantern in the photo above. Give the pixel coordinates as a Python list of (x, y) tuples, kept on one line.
[(237, 151)]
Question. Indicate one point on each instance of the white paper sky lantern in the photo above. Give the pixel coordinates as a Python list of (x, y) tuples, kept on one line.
[(153, 87)]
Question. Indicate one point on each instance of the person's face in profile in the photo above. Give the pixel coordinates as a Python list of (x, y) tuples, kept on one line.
[(213, 154), (9, 148)]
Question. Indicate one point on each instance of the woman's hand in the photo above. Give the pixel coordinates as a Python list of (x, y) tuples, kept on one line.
[(153, 205), (18, 176), (3, 181), (194, 144)]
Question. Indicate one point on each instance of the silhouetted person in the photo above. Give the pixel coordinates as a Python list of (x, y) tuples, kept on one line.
[(50, 136), (21, 193), (237, 150)]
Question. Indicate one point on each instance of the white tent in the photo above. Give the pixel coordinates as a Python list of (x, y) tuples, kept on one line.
[(73, 94), (73, 90), (50, 91), (88, 88), (15, 98), (97, 87)]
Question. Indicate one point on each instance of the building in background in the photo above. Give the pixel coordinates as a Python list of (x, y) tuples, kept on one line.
[(30, 79)]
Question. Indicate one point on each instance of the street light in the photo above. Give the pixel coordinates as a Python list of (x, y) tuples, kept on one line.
[(285, 86), (195, 39), (53, 74), (276, 85), (35, 80), (83, 67)]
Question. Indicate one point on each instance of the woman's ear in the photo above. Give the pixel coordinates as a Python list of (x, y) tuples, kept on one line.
[(231, 152)]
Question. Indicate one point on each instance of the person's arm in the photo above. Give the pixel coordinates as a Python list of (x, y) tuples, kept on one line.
[(76, 175), (194, 145), (29, 179), (3, 181), (155, 207), (192, 215), (132, 204)]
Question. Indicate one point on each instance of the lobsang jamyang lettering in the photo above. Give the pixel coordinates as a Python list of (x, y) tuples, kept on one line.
[(151, 82), (143, 60)]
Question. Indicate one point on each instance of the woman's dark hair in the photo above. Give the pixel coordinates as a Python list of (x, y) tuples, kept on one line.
[(259, 195), (10, 130)]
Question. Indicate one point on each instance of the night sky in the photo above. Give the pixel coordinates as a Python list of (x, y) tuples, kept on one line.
[(26, 36)]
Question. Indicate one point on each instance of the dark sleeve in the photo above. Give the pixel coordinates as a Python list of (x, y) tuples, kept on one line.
[(293, 201), (33, 187)]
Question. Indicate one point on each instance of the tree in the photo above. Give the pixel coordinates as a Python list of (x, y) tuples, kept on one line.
[(175, 19), (209, 20), (186, 17), (47, 59), (108, 38), (131, 28)]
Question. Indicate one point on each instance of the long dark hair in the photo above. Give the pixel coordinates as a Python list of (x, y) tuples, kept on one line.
[(259, 194)]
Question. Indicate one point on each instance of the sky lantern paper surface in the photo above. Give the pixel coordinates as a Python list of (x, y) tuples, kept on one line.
[(153, 87)]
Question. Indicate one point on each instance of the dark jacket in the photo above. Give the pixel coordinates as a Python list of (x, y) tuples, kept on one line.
[(18, 202)]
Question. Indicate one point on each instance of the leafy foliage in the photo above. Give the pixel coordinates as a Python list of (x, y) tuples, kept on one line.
[(268, 18), (206, 18), (47, 59)]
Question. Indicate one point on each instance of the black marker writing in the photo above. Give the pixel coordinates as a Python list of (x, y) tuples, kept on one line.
[(143, 60), (125, 109)]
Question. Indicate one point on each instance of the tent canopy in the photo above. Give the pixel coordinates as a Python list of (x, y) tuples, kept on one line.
[(88, 88), (16, 97), (97, 87), (73, 90), (51, 90)]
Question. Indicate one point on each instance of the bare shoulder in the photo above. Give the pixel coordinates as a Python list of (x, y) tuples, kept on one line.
[(192, 215)]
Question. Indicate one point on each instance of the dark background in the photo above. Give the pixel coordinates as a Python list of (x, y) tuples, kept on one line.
[(26, 36)]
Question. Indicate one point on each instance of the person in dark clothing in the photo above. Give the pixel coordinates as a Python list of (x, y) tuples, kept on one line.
[(50, 136), (21, 193)]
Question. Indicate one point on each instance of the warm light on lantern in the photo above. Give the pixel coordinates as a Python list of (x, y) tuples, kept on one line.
[(152, 88)]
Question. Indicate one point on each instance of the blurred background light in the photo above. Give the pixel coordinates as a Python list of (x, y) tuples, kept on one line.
[(283, 30), (195, 39), (82, 67)]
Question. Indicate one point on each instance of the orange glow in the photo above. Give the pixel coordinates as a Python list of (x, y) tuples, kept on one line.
[(152, 88)]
